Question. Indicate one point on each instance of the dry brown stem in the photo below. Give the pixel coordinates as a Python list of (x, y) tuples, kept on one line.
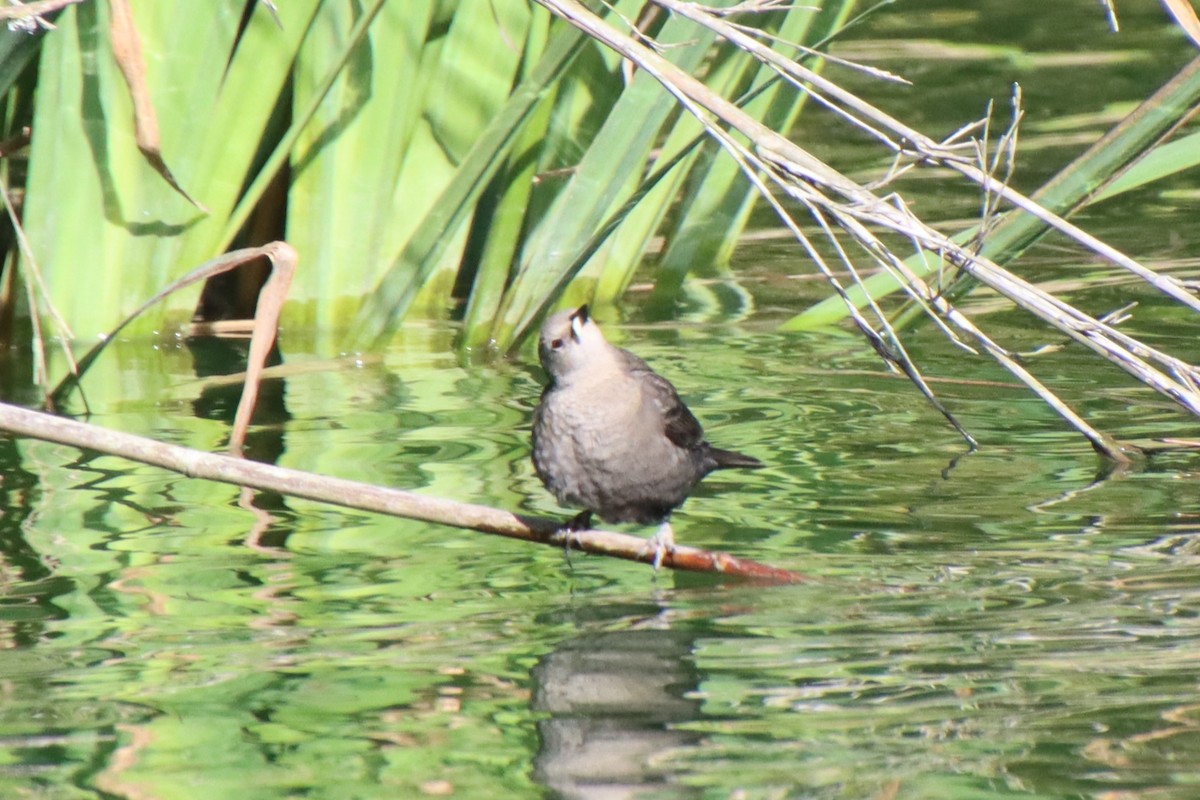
[(769, 158), (240, 472)]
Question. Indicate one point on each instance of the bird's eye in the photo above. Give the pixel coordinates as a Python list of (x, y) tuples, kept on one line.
[(556, 344)]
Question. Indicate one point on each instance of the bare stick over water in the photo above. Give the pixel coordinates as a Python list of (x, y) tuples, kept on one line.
[(351, 494)]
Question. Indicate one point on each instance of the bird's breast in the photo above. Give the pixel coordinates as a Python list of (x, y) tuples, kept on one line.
[(601, 445)]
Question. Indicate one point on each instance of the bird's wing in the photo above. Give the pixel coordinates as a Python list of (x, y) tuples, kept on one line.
[(679, 425)]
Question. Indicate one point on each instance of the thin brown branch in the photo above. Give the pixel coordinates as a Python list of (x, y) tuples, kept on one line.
[(350, 494)]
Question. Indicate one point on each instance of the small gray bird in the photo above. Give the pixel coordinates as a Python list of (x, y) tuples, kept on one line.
[(612, 436)]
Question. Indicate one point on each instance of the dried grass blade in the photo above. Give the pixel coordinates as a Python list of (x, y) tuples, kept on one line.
[(1185, 15), (916, 143), (127, 51), (809, 180)]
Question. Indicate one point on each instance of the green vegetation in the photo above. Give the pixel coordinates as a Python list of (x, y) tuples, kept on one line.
[(483, 159), (423, 158)]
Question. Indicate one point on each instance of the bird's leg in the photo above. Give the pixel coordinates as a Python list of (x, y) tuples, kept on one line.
[(580, 522), (663, 542)]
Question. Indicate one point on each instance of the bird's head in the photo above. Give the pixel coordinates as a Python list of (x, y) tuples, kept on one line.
[(571, 341)]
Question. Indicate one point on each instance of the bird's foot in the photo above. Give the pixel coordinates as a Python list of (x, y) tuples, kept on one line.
[(662, 542), (580, 522)]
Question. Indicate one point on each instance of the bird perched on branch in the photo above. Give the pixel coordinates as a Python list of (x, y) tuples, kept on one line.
[(612, 436)]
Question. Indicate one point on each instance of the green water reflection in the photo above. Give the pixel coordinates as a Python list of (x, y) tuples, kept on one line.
[(1008, 622), (1014, 622)]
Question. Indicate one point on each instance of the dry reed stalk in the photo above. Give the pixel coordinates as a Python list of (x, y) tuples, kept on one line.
[(351, 494), (835, 201)]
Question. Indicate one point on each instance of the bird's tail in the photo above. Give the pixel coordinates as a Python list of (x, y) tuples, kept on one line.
[(726, 459)]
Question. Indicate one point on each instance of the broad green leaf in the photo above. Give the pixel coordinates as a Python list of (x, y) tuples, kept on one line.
[(214, 92), (608, 172), (1161, 162), (447, 213)]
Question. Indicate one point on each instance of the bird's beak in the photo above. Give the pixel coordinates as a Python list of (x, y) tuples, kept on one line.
[(578, 320)]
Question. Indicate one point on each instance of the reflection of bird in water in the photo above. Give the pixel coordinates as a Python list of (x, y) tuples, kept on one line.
[(612, 699), (612, 436)]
